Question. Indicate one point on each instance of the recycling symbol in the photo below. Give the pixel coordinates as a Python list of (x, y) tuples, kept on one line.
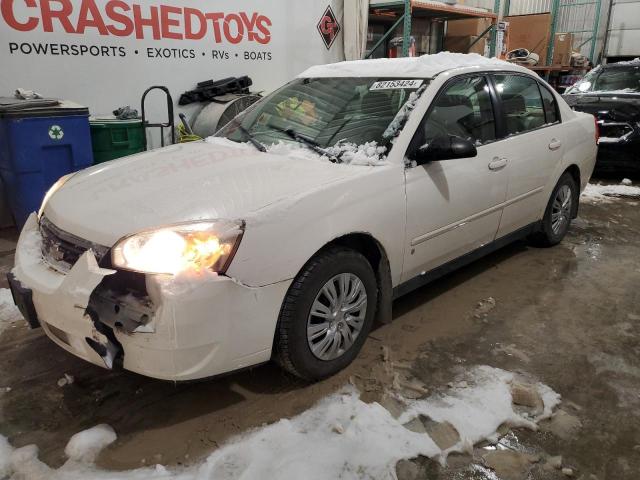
[(55, 132)]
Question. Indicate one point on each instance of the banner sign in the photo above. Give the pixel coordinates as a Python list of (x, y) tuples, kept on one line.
[(105, 53)]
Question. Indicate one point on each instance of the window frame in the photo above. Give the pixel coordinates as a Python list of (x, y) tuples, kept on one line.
[(503, 133), (557, 105), (417, 138), (496, 103)]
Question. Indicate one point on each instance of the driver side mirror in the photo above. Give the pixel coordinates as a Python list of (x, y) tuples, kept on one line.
[(444, 147)]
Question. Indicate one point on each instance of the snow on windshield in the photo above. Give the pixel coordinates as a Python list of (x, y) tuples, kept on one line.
[(346, 120), (403, 114), (367, 154)]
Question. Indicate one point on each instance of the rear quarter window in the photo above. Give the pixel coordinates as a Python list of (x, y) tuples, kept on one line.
[(550, 105)]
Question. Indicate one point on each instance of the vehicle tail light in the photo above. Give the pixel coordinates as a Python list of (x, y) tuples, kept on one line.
[(595, 119)]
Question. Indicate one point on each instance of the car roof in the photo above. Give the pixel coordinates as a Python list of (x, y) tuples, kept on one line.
[(426, 66), (630, 63)]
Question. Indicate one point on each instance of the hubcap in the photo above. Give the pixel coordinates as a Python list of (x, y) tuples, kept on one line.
[(561, 211), (337, 316)]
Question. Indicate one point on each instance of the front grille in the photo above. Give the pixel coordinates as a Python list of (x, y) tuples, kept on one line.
[(62, 250), (614, 129)]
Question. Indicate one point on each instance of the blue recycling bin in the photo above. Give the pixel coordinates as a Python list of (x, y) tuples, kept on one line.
[(40, 141)]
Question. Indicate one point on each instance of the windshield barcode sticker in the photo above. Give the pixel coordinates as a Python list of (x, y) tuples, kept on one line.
[(395, 84)]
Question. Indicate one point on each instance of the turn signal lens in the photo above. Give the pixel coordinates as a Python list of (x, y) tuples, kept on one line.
[(179, 248)]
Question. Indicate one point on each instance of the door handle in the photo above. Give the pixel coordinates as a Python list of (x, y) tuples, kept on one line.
[(497, 163), (555, 144)]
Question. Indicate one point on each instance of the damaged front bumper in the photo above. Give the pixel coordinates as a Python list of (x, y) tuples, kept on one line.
[(187, 328)]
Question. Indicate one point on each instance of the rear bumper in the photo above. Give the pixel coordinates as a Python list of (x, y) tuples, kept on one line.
[(202, 325)]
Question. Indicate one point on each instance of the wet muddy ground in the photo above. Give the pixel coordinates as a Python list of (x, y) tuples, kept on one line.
[(569, 315)]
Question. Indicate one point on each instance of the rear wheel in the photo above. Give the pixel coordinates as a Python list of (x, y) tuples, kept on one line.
[(558, 214), (326, 315)]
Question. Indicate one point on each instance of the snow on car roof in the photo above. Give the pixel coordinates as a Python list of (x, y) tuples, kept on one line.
[(426, 66), (627, 63)]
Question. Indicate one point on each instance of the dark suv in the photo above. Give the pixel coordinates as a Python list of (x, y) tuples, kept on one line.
[(612, 93)]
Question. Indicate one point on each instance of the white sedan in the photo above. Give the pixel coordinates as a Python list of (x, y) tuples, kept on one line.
[(288, 233)]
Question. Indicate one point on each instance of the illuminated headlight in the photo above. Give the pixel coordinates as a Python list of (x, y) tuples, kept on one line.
[(54, 188), (196, 246)]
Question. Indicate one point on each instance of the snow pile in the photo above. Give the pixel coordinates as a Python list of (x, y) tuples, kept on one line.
[(226, 143), (340, 437), (9, 313), (30, 251), (477, 412), (604, 193), (368, 153), (86, 445), (5, 455), (403, 114), (419, 67), (291, 149)]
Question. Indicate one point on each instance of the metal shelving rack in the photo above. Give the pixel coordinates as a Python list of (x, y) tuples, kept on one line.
[(405, 9), (565, 13)]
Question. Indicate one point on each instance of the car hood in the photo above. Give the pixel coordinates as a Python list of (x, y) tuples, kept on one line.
[(618, 108), (193, 181)]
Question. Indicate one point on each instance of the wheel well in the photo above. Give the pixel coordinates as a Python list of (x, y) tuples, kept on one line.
[(574, 171), (362, 243), (375, 254)]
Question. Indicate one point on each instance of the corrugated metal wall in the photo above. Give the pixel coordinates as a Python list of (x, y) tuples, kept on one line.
[(523, 7), (624, 32)]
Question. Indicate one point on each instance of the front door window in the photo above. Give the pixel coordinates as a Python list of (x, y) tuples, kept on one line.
[(463, 109)]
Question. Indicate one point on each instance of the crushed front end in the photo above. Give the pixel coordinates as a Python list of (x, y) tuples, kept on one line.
[(173, 328)]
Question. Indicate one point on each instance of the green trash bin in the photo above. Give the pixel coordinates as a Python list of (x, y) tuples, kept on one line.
[(112, 138)]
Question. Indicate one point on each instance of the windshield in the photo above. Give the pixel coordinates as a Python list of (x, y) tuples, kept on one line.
[(329, 115), (610, 80)]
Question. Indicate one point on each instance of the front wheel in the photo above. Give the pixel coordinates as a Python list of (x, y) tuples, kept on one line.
[(559, 212), (326, 315)]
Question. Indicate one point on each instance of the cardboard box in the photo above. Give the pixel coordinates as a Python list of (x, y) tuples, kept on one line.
[(562, 49), (531, 32), (467, 27), (463, 44)]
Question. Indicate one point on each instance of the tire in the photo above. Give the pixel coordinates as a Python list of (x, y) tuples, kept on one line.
[(298, 349), (560, 210)]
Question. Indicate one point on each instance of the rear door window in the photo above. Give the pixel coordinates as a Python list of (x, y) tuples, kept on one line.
[(521, 103), (550, 105)]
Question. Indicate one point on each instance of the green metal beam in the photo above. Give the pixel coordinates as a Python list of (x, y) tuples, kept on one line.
[(580, 31), (387, 34), (564, 5), (596, 26), (555, 6), (494, 29), (583, 43), (479, 37), (406, 33)]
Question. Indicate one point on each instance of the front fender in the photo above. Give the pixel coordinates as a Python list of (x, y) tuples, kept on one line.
[(282, 237)]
